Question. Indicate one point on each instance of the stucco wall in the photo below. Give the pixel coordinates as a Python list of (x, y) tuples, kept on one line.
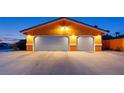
[(98, 42), (29, 43)]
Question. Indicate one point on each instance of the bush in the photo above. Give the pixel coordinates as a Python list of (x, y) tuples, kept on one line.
[(107, 37), (120, 36), (21, 45)]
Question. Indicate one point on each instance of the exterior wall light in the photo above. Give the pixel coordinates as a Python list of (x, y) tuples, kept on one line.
[(64, 28), (73, 39)]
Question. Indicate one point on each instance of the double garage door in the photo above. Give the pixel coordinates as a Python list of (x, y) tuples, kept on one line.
[(61, 43), (51, 43)]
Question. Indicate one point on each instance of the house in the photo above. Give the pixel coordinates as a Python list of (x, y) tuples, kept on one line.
[(64, 34)]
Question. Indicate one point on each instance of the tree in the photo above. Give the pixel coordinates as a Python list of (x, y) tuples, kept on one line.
[(96, 26), (107, 37), (21, 45), (117, 34), (108, 31), (120, 36)]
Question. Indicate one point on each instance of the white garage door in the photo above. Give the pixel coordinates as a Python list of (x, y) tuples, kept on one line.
[(51, 43), (85, 43)]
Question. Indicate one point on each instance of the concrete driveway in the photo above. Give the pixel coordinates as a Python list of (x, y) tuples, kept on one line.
[(61, 63)]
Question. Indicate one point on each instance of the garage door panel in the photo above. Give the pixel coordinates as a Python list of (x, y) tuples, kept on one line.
[(51, 43), (85, 43)]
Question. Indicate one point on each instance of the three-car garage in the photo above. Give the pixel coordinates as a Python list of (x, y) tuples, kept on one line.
[(62, 43), (63, 34)]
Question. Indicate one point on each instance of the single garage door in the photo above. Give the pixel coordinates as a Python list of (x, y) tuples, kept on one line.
[(51, 43), (85, 43)]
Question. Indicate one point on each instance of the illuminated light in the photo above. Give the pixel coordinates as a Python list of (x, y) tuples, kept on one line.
[(73, 39), (29, 39), (73, 36), (29, 36), (98, 39), (64, 28)]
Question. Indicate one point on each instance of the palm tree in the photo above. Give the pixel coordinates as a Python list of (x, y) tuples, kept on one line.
[(117, 34)]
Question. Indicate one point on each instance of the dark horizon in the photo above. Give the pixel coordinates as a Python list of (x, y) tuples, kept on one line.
[(10, 27)]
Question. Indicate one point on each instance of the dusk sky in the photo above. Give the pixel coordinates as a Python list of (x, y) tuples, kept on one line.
[(10, 27)]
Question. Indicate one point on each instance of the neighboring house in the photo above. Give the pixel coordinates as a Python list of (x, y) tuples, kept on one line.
[(64, 34)]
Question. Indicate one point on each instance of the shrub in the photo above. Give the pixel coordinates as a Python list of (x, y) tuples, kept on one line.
[(21, 45)]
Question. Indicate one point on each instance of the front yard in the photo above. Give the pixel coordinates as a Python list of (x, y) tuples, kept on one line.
[(61, 63)]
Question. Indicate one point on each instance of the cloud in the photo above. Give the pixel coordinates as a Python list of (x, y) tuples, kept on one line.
[(0, 41), (9, 39), (8, 35)]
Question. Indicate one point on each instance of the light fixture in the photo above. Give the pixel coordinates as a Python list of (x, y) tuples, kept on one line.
[(73, 36), (29, 35), (63, 28), (73, 39)]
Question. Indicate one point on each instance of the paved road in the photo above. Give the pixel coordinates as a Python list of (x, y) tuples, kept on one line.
[(61, 63)]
